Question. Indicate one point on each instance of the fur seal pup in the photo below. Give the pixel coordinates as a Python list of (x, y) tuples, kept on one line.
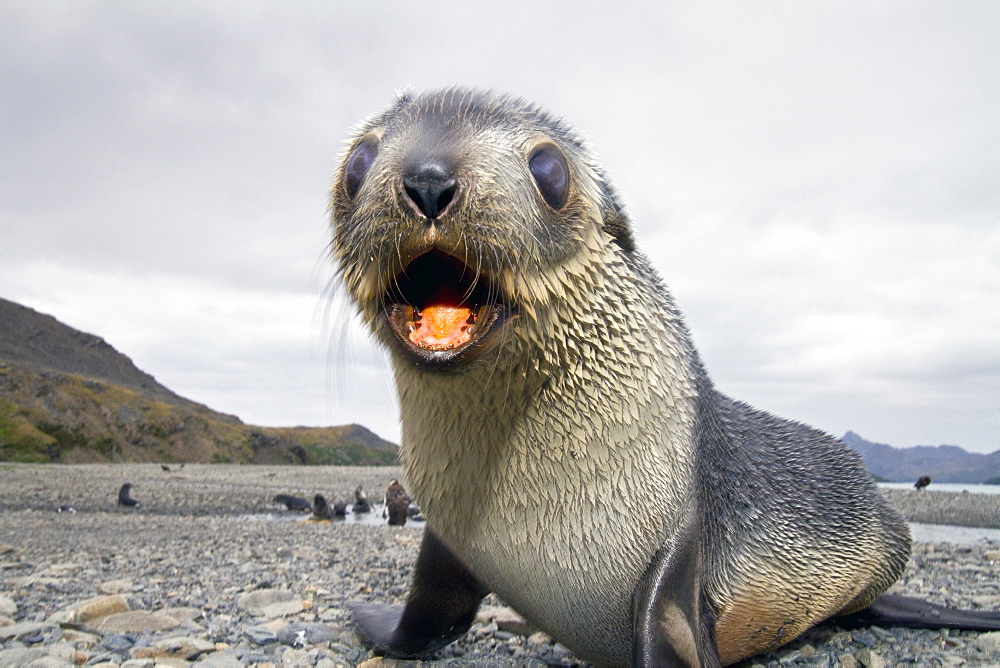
[(532, 341), (292, 502), (361, 502), (125, 497), (396, 504), (321, 511)]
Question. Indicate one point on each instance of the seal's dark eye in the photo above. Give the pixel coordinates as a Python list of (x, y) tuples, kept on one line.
[(358, 164), (548, 166)]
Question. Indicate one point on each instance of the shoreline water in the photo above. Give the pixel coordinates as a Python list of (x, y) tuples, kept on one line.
[(188, 555)]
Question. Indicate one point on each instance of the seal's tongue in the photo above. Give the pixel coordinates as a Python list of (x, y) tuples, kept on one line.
[(441, 327), (443, 323)]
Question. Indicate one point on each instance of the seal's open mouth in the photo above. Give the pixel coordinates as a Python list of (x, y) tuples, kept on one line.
[(439, 308)]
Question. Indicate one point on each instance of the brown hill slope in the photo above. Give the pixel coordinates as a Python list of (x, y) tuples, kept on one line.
[(38, 341), (68, 396)]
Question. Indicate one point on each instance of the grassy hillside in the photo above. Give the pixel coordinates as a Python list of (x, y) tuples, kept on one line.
[(69, 396), (47, 416)]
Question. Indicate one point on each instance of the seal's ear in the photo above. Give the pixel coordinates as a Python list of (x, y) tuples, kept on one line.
[(617, 225)]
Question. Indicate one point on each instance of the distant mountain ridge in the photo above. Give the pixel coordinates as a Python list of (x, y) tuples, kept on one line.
[(943, 463), (69, 396)]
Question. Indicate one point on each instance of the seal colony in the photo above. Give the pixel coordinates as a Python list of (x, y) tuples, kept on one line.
[(558, 429)]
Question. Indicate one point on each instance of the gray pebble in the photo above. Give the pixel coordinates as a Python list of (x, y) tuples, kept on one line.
[(49, 662), (116, 642), (297, 658), (870, 659), (866, 638), (220, 660), (299, 634), (989, 642), (8, 608), (19, 656), (63, 651), (259, 635), (23, 630)]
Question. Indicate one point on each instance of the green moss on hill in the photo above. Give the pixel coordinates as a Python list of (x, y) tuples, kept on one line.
[(20, 439), (46, 416)]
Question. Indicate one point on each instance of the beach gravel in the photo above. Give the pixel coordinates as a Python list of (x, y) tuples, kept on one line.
[(210, 571)]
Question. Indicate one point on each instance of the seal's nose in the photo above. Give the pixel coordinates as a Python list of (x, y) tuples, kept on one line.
[(430, 185)]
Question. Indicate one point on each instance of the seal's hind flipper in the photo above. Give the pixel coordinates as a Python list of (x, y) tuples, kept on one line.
[(914, 613), (442, 604), (671, 624)]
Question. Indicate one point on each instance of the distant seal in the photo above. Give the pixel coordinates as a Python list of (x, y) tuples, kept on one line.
[(293, 502), (361, 502), (320, 509), (125, 497), (397, 504), (533, 346)]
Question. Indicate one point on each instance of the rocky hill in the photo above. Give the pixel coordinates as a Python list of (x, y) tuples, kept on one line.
[(69, 396), (943, 463), (38, 341)]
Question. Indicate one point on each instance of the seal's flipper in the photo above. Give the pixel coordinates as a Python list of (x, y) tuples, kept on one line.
[(376, 621), (442, 604), (671, 625), (914, 613)]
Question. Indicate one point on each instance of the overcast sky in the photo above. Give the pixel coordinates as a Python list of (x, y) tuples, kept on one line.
[(816, 182)]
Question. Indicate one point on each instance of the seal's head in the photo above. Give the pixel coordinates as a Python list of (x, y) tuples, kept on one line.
[(457, 213)]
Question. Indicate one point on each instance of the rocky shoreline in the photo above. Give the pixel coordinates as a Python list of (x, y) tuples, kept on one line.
[(209, 570)]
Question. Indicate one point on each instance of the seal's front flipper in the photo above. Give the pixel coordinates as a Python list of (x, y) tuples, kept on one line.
[(442, 604), (914, 613), (672, 626), (376, 621)]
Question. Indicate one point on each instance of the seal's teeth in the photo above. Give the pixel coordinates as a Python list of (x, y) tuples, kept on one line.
[(412, 318)]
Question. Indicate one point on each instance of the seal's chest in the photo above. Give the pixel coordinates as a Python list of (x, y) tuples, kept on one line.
[(561, 578), (565, 556)]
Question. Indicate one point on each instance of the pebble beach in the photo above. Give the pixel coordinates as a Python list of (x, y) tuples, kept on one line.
[(210, 571)]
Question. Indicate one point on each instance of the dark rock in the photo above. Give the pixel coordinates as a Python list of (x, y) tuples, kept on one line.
[(260, 635), (117, 642)]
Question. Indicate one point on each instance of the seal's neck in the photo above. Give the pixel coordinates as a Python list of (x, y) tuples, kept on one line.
[(596, 372)]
